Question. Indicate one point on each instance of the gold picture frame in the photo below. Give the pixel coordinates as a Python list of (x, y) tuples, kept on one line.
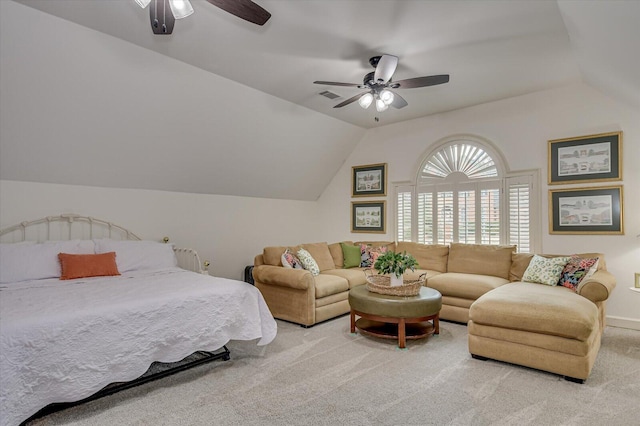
[(369, 180), (592, 211), (368, 216), (592, 158)]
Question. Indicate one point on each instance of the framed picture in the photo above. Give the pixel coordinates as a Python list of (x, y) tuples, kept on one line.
[(368, 216), (596, 210), (369, 181), (594, 158)]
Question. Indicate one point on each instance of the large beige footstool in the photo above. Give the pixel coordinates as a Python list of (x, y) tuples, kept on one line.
[(380, 313), (548, 328)]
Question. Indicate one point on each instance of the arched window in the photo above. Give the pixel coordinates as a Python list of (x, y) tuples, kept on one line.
[(459, 197)]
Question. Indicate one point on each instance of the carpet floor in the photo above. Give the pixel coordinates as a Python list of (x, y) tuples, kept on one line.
[(325, 375)]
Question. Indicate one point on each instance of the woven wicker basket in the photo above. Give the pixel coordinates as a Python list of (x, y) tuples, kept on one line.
[(382, 284)]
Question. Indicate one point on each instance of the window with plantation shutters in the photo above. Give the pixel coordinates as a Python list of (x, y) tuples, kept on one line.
[(462, 194)]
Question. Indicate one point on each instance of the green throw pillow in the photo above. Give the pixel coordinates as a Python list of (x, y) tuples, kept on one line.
[(351, 255)]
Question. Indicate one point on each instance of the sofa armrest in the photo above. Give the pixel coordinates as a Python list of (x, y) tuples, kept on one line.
[(598, 287), (284, 277)]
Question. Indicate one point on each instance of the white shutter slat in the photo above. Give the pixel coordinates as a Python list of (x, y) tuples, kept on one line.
[(425, 218), (403, 215), (490, 216), (444, 201), (519, 216)]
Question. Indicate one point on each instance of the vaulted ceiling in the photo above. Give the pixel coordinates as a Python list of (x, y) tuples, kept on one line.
[(221, 103), (491, 49)]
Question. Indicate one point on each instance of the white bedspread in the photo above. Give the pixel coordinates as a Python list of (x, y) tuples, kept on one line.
[(62, 341)]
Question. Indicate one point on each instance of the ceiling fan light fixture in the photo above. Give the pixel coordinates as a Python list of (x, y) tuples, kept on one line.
[(365, 100), (386, 96), (143, 3), (380, 105), (180, 8)]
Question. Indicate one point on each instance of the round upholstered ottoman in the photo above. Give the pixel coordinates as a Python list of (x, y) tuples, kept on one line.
[(379, 314)]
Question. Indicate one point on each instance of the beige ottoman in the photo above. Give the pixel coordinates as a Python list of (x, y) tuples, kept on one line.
[(548, 328), (379, 314)]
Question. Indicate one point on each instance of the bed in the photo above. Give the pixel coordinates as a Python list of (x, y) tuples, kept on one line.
[(64, 340)]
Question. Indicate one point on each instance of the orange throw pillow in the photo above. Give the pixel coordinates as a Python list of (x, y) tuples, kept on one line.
[(88, 265)]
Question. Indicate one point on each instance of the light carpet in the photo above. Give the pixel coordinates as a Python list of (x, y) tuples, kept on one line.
[(325, 375)]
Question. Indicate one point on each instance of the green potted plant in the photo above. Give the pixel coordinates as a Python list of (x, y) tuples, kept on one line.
[(395, 264)]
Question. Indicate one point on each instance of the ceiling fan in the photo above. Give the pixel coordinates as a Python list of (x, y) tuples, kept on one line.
[(379, 83), (163, 13)]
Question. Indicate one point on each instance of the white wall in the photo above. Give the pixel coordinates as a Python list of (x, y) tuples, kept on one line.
[(520, 128), (81, 107), (226, 230)]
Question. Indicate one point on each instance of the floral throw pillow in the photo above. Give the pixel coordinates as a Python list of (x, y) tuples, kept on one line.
[(369, 255), (308, 262), (544, 270), (576, 270), (290, 260)]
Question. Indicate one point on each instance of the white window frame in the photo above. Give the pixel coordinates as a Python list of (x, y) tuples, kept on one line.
[(504, 180)]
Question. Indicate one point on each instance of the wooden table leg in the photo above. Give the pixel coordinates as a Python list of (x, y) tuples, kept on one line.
[(402, 336), (353, 321), (436, 324)]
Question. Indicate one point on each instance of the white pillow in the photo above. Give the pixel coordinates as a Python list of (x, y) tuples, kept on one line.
[(308, 262), (28, 261), (139, 255), (544, 270)]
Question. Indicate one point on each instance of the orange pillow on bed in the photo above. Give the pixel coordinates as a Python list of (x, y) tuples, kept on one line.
[(88, 265)]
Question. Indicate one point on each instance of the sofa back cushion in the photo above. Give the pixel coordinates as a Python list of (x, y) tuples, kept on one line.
[(519, 264), (321, 254), (480, 259), (272, 255), (429, 256)]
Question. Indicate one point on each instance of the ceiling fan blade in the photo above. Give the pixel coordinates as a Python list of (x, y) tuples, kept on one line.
[(350, 100), (161, 17), (412, 83), (398, 101), (385, 68), (244, 9), (333, 83)]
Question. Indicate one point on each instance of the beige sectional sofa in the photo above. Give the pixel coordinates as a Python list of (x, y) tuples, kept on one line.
[(460, 272), (545, 327)]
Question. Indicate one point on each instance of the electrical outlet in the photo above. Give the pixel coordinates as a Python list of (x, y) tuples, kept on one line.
[(637, 284)]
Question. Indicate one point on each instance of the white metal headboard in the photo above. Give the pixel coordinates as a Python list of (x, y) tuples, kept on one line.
[(65, 227), (71, 226)]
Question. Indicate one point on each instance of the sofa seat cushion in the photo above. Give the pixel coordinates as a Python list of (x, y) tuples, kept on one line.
[(465, 286), (327, 284), (354, 276), (537, 308), (458, 302), (333, 299), (414, 275)]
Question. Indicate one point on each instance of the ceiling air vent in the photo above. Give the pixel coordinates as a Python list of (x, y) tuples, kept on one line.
[(329, 95)]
